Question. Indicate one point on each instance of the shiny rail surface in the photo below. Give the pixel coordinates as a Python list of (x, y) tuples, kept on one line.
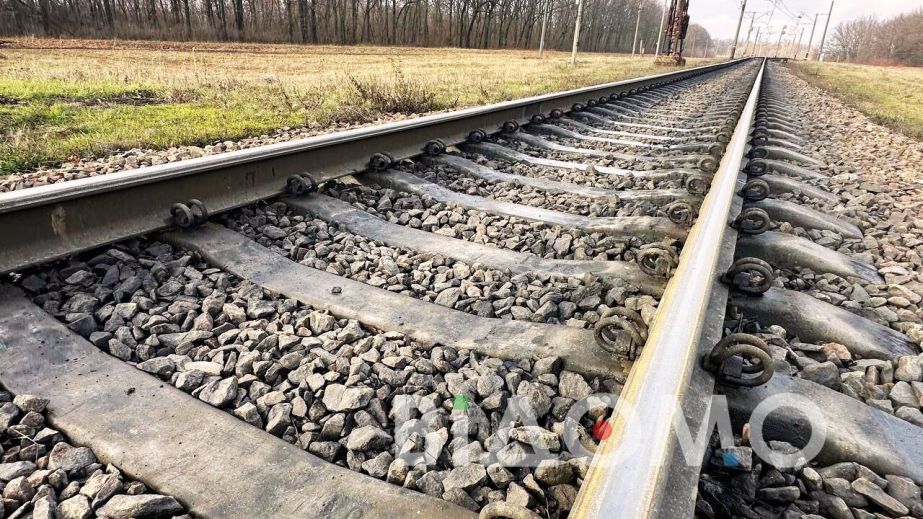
[(652, 479)]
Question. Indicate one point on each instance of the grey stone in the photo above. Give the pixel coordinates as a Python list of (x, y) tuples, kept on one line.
[(879, 497), (19, 489), (824, 373), (431, 483), (554, 472), (841, 488), (499, 475), (902, 395), (8, 414), (140, 506), (397, 471), (537, 437), (367, 438), (904, 490), (533, 399), (338, 398), (461, 498), (909, 369), (781, 495), (546, 365), (11, 471), (845, 470), (77, 507), (563, 495), (248, 413), (219, 393), (68, 458), (44, 508), (325, 450), (27, 403), (572, 385), (377, 467), (910, 414), (737, 458), (279, 418), (465, 477), (517, 495), (160, 366)]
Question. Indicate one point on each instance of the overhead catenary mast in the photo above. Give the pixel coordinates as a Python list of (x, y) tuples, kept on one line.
[(573, 53), (740, 21), (634, 43), (823, 38), (541, 40), (807, 53), (663, 18)]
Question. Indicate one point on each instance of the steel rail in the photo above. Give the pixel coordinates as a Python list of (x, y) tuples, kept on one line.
[(49, 222), (642, 469)]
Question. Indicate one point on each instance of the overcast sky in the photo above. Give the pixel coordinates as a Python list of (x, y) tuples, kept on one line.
[(720, 16)]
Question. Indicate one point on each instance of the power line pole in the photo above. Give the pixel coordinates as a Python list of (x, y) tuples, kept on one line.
[(663, 19), (779, 45), (541, 41), (740, 21), (811, 38), (749, 32), (798, 48), (573, 52), (756, 43), (634, 43), (823, 38)]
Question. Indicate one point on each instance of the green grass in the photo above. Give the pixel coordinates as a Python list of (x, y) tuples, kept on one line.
[(890, 96), (64, 99)]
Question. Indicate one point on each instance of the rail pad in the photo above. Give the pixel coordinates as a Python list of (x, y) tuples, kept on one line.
[(649, 227), (364, 224), (427, 323), (181, 446)]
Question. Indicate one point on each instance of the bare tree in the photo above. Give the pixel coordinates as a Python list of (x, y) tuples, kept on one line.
[(895, 41), (608, 25)]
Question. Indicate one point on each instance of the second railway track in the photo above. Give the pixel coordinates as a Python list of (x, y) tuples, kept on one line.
[(504, 311)]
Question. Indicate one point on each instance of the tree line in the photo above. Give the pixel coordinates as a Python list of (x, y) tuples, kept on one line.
[(607, 25), (894, 41)]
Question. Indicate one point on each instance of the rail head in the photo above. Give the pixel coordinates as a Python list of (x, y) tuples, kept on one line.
[(633, 471)]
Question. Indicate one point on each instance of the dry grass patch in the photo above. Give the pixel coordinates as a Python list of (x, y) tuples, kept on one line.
[(64, 98), (890, 96)]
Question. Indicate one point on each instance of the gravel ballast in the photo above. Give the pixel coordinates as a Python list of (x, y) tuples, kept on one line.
[(43, 476), (736, 482), (474, 289), (341, 391)]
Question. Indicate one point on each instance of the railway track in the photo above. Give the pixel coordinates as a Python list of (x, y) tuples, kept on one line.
[(521, 310)]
